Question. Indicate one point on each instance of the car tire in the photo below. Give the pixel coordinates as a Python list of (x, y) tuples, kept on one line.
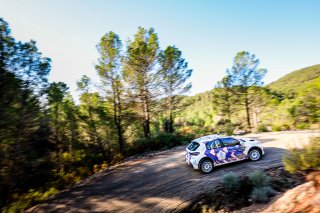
[(206, 166), (255, 155)]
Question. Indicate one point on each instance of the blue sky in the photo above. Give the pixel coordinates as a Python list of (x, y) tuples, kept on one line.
[(285, 35)]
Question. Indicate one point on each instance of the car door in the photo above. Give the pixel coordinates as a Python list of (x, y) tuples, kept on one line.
[(219, 153), (238, 150), (214, 150), (233, 149)]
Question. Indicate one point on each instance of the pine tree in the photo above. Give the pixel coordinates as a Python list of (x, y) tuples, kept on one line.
[(140, 75), (91, 110), (174, 74), (110, 71), (246, 77), (223, 98)]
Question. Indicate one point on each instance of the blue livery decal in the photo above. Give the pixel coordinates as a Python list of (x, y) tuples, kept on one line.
[(226, 154)]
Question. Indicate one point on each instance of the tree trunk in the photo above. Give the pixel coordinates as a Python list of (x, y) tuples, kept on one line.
[(247, 110), (146, 126), (118, 117), (146, 121), (146, 110), (171, 130), (96, 134)]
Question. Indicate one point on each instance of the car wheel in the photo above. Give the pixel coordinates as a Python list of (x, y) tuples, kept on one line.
[(254, 155), (206, 166)]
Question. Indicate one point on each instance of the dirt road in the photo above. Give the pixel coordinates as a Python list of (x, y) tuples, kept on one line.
[(162, 182)]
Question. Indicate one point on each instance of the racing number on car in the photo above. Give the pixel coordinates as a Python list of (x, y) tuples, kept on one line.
[(221, 155)]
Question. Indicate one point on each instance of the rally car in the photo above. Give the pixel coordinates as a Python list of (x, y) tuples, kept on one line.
[(210, 151)]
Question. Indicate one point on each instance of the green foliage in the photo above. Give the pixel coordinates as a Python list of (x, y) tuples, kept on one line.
[(262, 128), (305, 159), (276, 128), (174, 72), (140, 58), (225, 127), (224, 97), (160, 141), (297, 81), (261, 194), (236, 191), (306, 109), (245, 78), (231, 181), (27, 199), (261, 186), (259, 179), (111, 74)]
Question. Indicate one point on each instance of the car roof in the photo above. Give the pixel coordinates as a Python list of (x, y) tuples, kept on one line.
[(207, 138)]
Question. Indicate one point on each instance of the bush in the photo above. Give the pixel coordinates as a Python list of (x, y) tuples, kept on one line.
[(262, 128), (306, 159), (302, 126), (285, 127), (259, 179), (231, 182), (261, 187), (23, 201), (225, 127), (160, 141), (261, 194), (276, 128), (229, 129)]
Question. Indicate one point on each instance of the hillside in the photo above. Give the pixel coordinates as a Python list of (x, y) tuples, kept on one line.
[(298, 88), (298, 81)]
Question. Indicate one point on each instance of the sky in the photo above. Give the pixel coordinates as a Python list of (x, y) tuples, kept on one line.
[(284, 35)]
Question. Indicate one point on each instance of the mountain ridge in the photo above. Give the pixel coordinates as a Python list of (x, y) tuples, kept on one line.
[(297, 80)]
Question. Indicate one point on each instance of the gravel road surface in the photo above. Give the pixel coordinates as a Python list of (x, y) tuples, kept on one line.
[(162, 182)]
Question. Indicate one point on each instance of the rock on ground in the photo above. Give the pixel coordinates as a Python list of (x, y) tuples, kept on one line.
[(304, 198)]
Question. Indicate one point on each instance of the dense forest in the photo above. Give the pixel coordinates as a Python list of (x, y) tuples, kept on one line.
[(49, 142)]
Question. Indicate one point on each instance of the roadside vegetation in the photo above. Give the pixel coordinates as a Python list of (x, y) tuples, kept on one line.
[(49, 141), (306, 159), (235, 192)]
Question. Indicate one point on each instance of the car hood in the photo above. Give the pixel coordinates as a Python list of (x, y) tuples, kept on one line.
[(250, 141)]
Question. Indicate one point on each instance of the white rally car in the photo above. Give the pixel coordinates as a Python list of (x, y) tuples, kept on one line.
[(213, 150)]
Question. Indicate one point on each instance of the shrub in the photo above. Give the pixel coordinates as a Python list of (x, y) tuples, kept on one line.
[(23, 201), (259, 179), (261, 194), (225, 127), (261, 187), (285, 127), (231, 182), (306, 159), (302, 126), (159, 142), (229, 129), (276, 128), (262, 128), (164, 141)]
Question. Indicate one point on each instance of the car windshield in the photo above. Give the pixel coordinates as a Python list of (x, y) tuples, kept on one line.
[(193, 146)]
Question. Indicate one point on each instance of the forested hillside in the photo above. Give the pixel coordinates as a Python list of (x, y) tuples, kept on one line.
[(298, 81), (292, 102)]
